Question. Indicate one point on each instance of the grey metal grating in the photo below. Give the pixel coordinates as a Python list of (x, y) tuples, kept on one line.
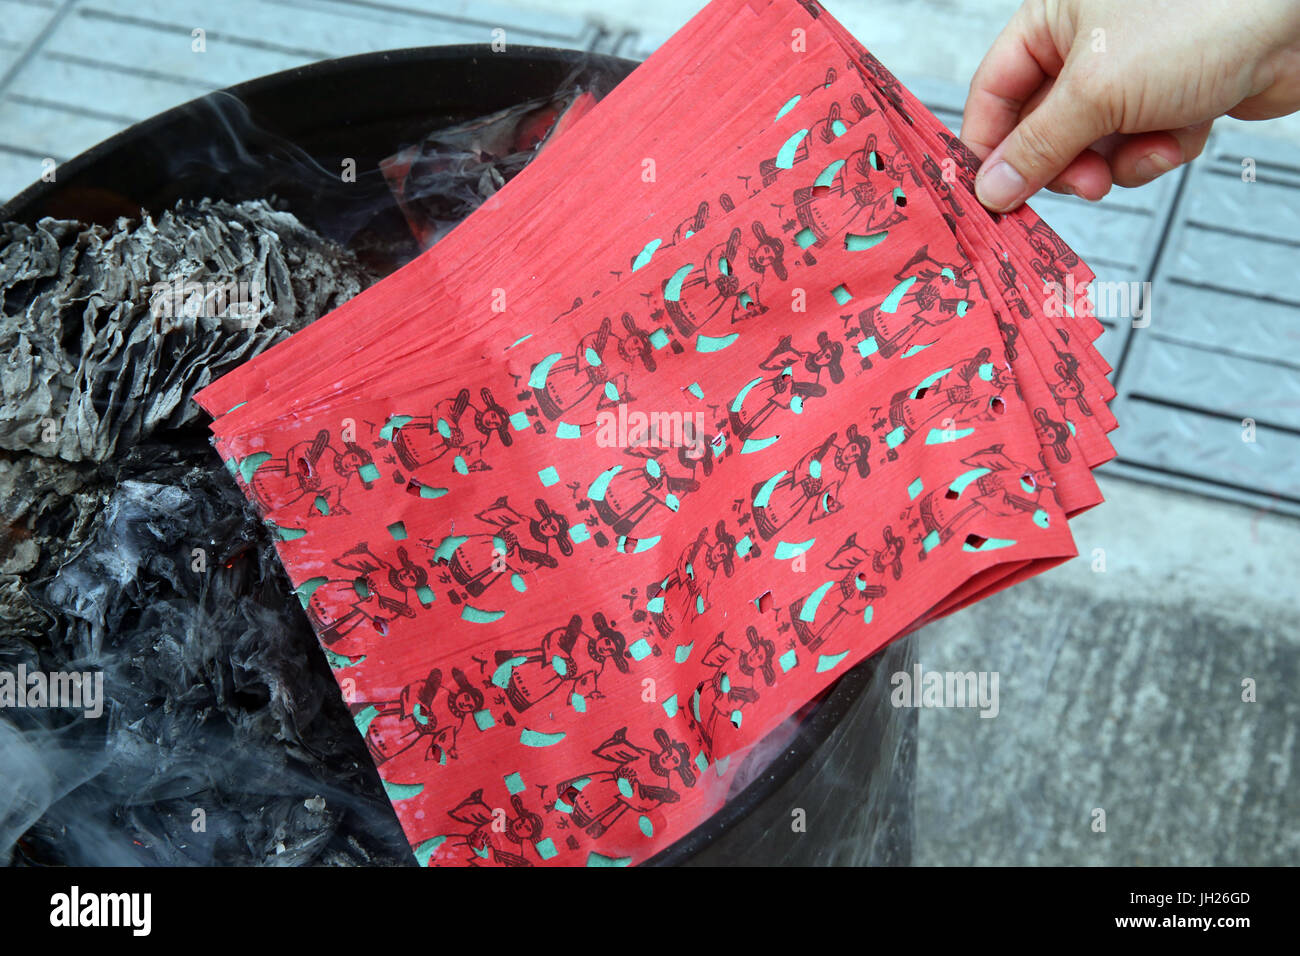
[(1223, 344)]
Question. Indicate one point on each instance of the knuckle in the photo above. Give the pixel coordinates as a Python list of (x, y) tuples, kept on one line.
[(1038, 147), (1094, 88)]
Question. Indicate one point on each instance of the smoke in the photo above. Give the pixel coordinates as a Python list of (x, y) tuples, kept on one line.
[(128, 552), (224, 739)]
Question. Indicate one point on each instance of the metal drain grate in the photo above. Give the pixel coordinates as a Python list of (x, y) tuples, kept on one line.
[(1210, 391)]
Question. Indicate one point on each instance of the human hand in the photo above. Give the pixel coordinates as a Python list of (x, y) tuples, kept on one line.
[(1080, 95)]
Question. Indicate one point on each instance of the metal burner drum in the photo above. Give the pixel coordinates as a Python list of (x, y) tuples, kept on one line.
[(846, 758)]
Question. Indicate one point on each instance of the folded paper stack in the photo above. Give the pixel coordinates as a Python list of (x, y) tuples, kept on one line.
[(733, 385)]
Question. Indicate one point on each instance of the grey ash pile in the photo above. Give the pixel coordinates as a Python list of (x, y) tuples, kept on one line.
[(127, 550)]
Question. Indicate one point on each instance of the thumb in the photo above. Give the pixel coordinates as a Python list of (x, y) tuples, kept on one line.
[(1042, 145)]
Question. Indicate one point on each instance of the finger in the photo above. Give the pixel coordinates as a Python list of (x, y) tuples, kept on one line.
[(1041, 147), (1147, 156), (1280, 99), (1020, 61), (1088, 176), (1107, 145)]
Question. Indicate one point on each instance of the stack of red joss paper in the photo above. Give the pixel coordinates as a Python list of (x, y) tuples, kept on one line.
[(734, 384)]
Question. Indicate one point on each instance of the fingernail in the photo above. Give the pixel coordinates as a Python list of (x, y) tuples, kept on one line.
[(1000, 187), (1152, 165)]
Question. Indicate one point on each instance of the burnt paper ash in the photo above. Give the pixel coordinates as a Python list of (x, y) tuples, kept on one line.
[(129, 551), (221, 711), (108, 334)]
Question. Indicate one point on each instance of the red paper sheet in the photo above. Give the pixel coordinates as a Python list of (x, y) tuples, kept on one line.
[(731, 386)]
